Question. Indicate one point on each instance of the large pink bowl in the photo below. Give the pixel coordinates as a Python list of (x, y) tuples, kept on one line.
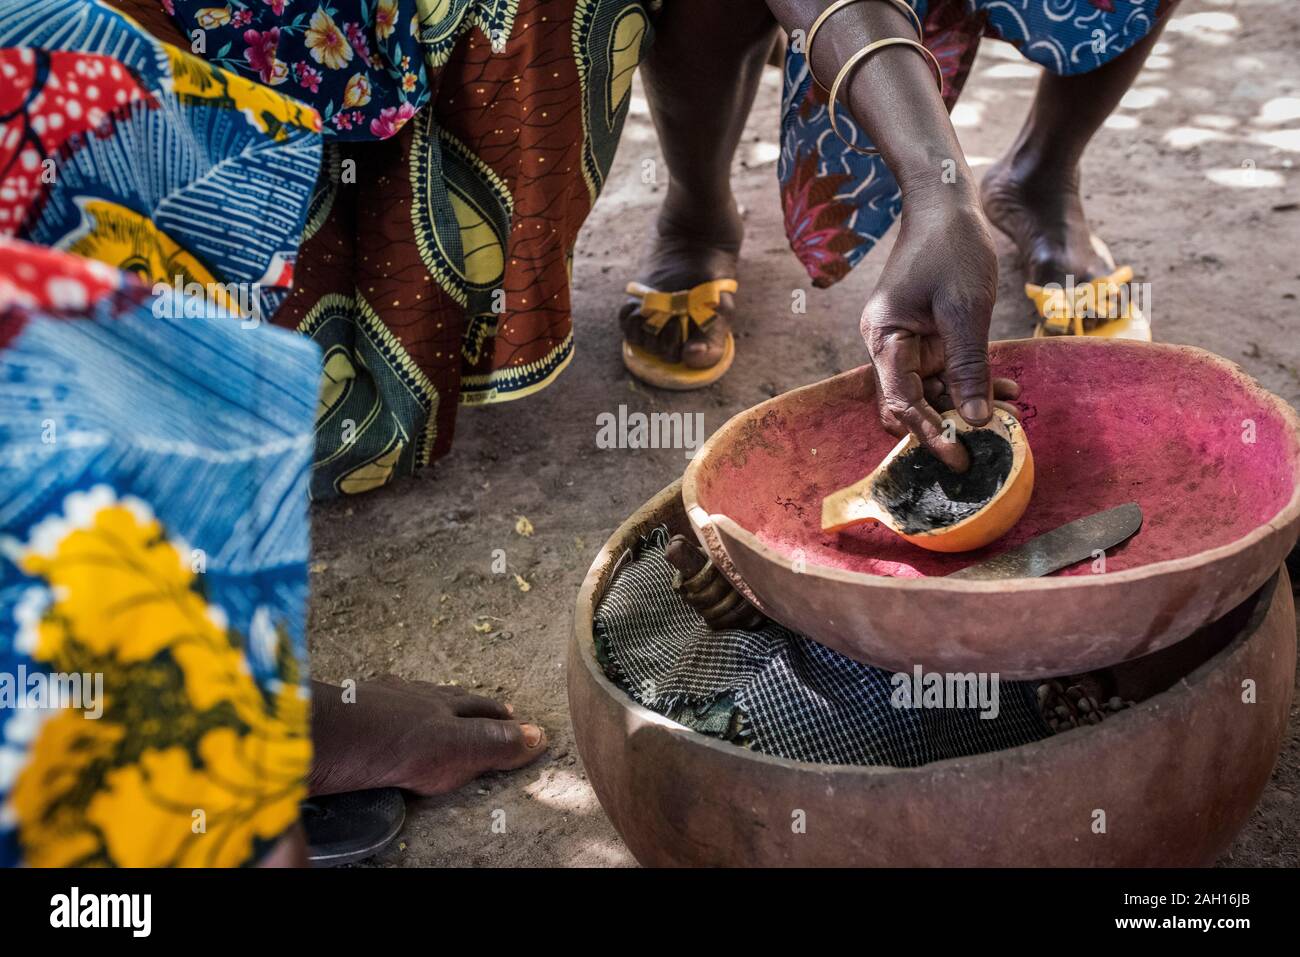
[(1212, 458)]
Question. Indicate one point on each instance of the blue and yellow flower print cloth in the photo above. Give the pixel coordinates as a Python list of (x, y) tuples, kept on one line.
[(153, 583)]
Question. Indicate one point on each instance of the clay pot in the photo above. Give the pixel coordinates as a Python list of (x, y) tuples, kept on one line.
[(1176, 776), (1212, 459)]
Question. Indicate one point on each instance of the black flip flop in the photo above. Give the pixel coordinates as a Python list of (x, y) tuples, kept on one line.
[(346, 828)]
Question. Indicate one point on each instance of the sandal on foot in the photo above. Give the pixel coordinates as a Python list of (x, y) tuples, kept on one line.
[(692, 307), (350, 827), (1105, 303)]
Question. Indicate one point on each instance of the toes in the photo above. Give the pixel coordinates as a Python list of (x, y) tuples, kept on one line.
[(506, 745), (632, 324), (705, 350), (476, 706), (663, 344), (629, 320), (701, 354)]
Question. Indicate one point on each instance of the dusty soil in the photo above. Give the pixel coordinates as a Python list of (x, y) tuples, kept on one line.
[(1192, 182)]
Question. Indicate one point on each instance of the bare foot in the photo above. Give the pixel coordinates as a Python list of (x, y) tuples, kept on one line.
[(1042, 212), (416, 735), (688, 248)]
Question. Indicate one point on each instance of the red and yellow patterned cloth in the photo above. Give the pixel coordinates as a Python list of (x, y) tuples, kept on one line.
[(468, 142)]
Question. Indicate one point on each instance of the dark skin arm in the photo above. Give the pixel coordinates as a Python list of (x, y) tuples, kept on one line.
[(926, 323)]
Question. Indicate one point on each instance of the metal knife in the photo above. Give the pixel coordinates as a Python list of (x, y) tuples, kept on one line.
[(1054, 550)]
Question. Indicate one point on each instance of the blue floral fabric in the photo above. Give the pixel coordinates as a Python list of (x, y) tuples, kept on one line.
[(153, 572), (361, 63)]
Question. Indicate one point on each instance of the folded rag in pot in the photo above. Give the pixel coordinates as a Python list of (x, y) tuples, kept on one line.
[(782, 694)]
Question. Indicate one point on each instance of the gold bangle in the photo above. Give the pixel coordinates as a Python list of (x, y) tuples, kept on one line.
[(857, 58), (838, 5)]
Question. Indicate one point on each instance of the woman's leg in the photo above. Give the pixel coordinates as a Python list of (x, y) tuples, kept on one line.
[(700, 77), (1032, 193)]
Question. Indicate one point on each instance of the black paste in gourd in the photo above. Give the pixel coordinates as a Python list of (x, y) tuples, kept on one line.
[(923, 494)]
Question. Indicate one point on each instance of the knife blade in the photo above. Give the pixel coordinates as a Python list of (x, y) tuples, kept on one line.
[(1054, 550)]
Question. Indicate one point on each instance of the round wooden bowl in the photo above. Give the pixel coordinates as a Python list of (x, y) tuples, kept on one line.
[(1176, 776), (1212, 459), (857, 505)]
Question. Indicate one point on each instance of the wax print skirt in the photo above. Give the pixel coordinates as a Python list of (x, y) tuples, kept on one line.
[(153, 547), (466, 143)]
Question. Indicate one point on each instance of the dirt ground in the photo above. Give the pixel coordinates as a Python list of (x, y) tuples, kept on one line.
[(1192, 182)]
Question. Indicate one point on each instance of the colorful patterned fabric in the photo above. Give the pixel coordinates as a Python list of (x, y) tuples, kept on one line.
[(838, 203), (435, 265), (153, 548), (361, 63), (122, 149)]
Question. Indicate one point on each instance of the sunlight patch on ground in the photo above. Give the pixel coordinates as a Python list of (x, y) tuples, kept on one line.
[(1186, 137), (1118, 121), (1215, 121), (1281, 109), (1144, 97), (1012, 71), (1288, 140), (602, 854), (640, 133), (1213, 28), (1001, 50), (967, 114), (762, 153), (985, 93), (1245, 177), (563, 790)]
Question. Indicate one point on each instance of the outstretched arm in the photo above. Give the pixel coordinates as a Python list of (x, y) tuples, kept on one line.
[(926, 323)]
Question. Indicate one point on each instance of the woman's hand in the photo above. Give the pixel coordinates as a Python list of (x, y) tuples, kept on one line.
[(926, 324)]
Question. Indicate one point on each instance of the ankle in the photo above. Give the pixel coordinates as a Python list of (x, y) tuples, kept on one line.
[(707, 219), (1040, 172)]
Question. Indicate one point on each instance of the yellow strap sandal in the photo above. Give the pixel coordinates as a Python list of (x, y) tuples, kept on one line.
[(698, 307), (1107, 302)]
